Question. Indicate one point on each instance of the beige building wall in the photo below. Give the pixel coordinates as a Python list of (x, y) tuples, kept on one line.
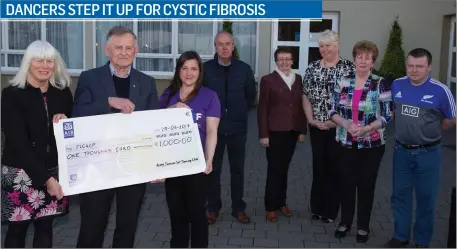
[(424, 24), (421, 20)]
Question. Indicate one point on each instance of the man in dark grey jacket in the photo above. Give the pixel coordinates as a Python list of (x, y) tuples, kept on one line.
[(113, 88), (234, 83)]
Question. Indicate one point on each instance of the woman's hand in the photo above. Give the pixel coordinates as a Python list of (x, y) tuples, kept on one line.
[(351, 128), (320, 125), (58, 117), (182, 105), (265, 142), (301, 138), (54, 188), (158, 181), (362, 130), (330, 124), (179, 105), (209, 167)]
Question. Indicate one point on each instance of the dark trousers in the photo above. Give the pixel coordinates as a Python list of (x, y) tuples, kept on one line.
[(415, 171), (451, 230), (95, 209), (236, 145), (358, 171), (325, 198), (186, 200), (42, 238), (279, 154)]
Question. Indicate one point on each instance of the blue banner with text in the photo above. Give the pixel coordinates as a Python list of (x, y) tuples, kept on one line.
[(161, 9)]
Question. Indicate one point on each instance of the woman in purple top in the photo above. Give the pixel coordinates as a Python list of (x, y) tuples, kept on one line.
[(186, 195)]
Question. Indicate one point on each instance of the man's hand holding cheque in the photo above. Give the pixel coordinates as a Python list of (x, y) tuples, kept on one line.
[(124, 105)]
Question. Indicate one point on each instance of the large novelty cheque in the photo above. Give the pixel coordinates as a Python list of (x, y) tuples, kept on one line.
[(115, 150)]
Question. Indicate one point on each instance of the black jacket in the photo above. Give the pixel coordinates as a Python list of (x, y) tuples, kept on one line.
[(237, 94), (26, 129), (96, 85)]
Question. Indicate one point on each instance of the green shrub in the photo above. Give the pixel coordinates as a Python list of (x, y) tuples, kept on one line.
[(227, 26), (393, 62)]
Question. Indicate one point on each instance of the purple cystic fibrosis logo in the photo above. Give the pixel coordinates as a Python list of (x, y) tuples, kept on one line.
[(197, 116), (68, 130), (194, 116)]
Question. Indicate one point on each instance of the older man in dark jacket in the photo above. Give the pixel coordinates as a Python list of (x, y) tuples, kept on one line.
[(234, 83), (113, 88)]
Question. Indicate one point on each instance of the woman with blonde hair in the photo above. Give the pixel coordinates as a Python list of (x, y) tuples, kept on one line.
[(38, 95), (318, 83)]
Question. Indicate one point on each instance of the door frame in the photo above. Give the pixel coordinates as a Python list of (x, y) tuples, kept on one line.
[(452, 49), (304, 44)]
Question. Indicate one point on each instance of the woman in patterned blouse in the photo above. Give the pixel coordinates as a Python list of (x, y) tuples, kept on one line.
[(362, 107), (318, 83)]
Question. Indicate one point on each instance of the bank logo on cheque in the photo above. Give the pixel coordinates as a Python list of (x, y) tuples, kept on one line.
[(68, 130)]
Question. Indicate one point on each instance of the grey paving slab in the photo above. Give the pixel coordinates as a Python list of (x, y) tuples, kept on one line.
[(297, 231)]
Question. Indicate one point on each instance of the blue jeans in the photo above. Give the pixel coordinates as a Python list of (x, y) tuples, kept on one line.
[(416, 169)]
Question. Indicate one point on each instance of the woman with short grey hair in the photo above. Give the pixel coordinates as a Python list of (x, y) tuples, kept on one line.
[(38, 95), (318, 83)]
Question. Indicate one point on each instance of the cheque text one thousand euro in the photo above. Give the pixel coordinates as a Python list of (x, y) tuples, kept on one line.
[(135, 9)]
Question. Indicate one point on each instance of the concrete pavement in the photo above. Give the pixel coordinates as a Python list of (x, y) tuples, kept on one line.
[(297, 231)]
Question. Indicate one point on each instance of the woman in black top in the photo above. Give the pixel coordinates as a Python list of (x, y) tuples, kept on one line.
[(37, 96)]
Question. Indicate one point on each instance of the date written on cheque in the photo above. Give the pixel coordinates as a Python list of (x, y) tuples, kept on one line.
[(175, 127), (173, 141)]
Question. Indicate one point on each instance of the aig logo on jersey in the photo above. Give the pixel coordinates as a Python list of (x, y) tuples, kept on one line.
[(410, 110)]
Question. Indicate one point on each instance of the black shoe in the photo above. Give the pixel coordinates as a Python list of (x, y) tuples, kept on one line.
[(396, 243), (362, 236), (341, 231), (326, 220), (421, 246), (315, 217)]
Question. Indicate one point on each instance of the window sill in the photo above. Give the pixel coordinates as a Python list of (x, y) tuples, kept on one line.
[(75, 73), (13, 71)]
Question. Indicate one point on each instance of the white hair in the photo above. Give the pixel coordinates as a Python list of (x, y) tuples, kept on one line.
[(39, 49), (329, 36)]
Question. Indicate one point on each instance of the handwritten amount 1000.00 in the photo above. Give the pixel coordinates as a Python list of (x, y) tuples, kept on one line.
[(173, 141)]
